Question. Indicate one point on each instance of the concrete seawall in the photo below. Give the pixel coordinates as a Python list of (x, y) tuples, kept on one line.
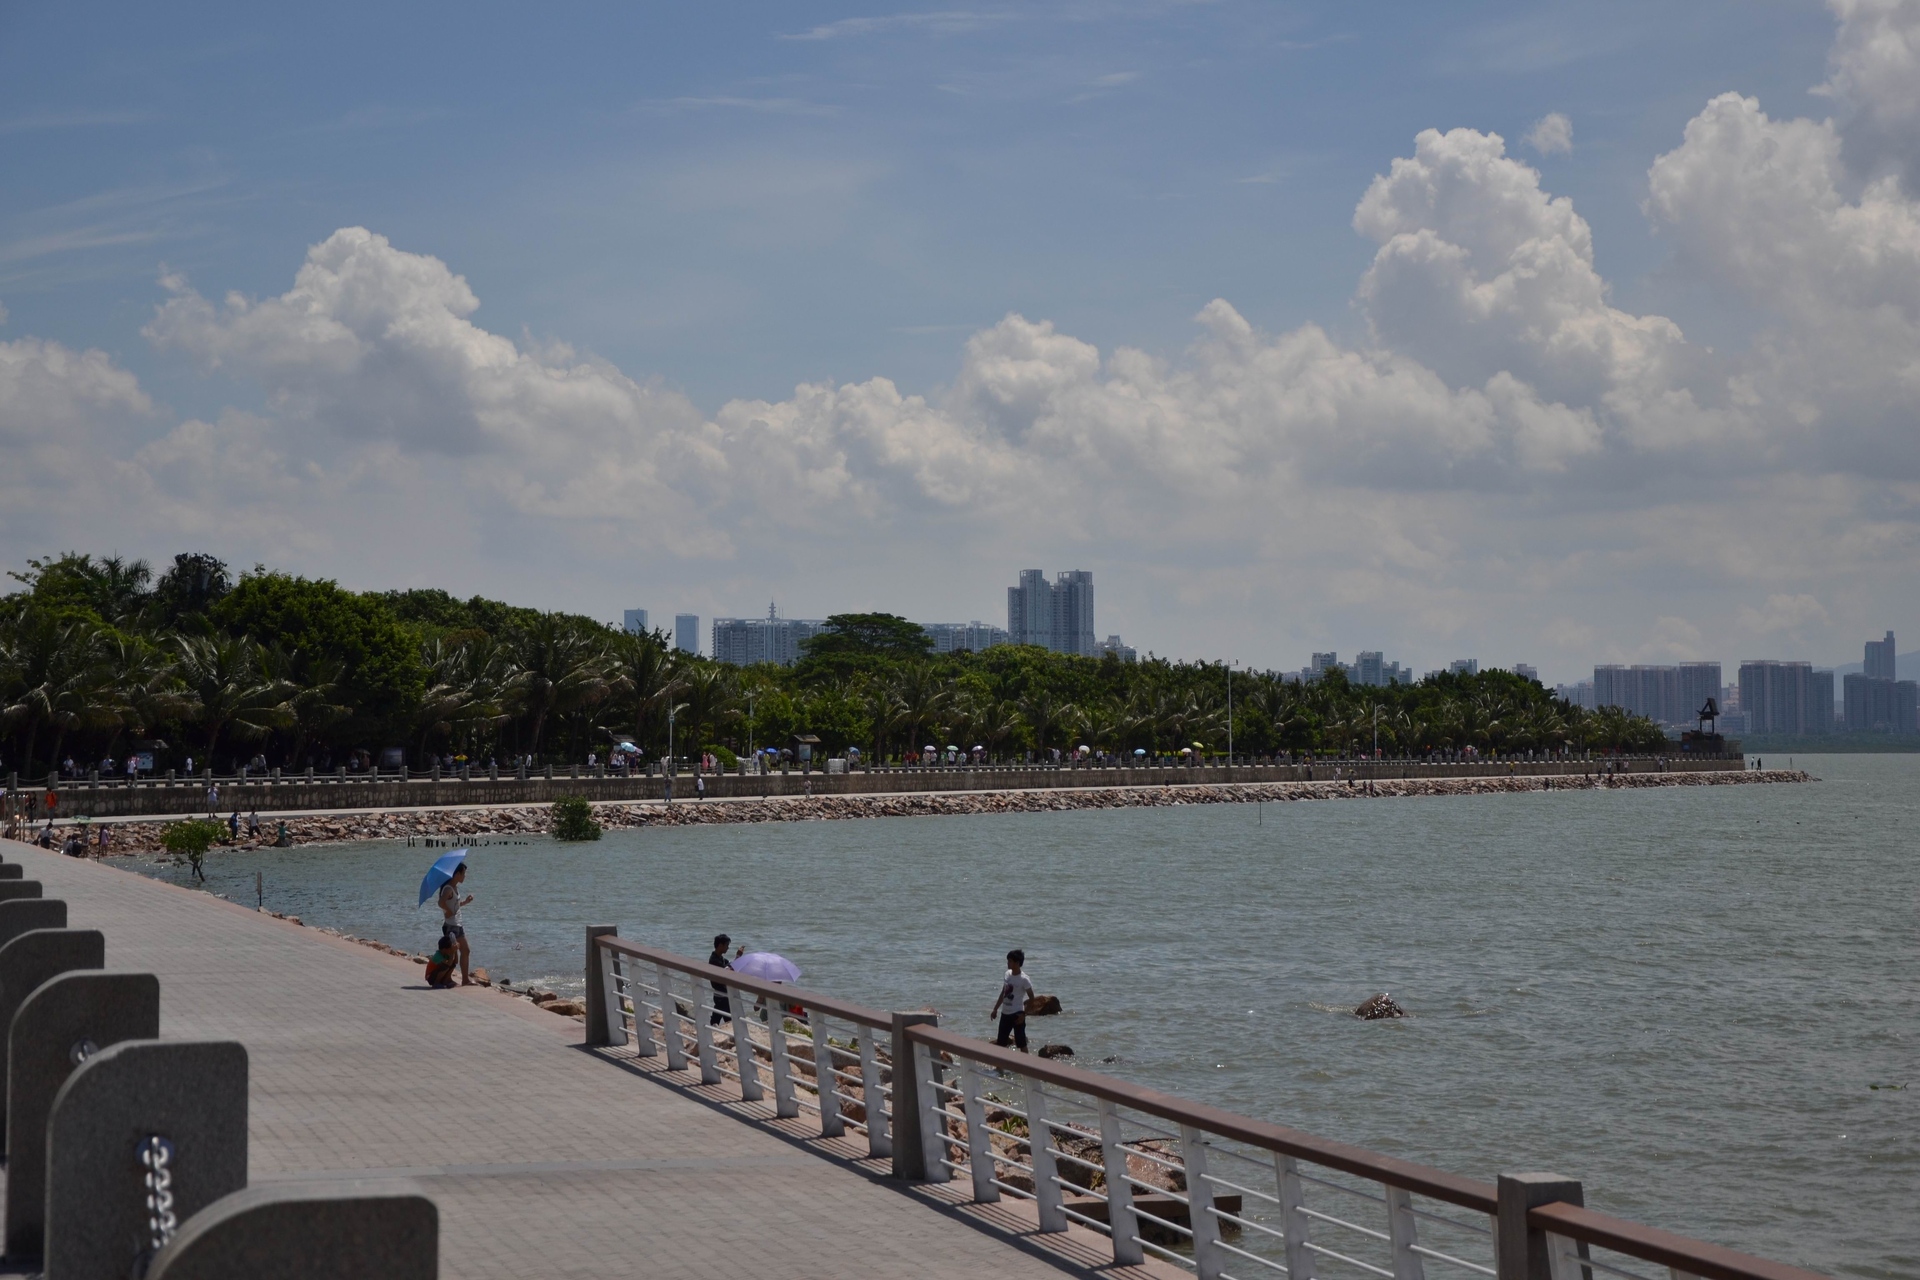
[(466, 823), (297, 794)]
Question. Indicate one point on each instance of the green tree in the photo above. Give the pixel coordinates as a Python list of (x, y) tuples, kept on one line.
[(873, 634), (229, 689)]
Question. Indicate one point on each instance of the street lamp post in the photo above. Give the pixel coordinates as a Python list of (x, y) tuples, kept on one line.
[(1230, 663), (669, 774)]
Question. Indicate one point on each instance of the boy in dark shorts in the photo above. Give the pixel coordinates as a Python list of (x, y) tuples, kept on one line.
[(440, 963), (1011, 1006)]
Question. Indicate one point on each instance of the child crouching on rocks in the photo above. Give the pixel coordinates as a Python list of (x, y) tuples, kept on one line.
[(440, 964)]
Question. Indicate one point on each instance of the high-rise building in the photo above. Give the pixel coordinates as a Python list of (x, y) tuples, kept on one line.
[(1119, 649), (1322, 663), (1880, 664), (972, 637), (1579, 694), (1665, 695), (1784, 697), (1873, 705), (1370, 668), (635, 622), (1056, 615), (1464, 666), (686, 632), (748, 642), (1527, 671), (1698, 682)]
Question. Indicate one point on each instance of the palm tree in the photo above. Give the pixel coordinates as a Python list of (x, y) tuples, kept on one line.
[(707, 688), (229, 688), (562, 665), (995, 721), (923, 699), (1044, 714), (54, 677), (646, 680), (312, 683)]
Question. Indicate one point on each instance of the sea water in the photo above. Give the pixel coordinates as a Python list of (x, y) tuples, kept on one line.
[(1701, 1001)]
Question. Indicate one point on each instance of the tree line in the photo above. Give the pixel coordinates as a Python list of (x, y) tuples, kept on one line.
[(100, 657)]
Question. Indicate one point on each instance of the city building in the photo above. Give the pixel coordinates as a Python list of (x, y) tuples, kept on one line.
[(1119, 649), (1370, 667), (1464, 666), (1785, 697), (1527, 671), (635, 622), (1880, 660), (956, 637), (1321, 663), (748, 642), (1666, 695), (1056, 615), (1874, 701), (686, 632), (1579, 694)]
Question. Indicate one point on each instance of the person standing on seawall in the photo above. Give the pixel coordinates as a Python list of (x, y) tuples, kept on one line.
[(1011, 1005), (450, 904)]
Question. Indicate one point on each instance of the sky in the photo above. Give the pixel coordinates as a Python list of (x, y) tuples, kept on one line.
[(1551, 334)]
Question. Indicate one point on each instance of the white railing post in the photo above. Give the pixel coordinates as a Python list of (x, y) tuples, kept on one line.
[(1563, 1258), (1120, 1216), (703, 1012), (1293, 1218), (750, 1090), (933, 1124), (1207, 1254), (785, 1106), (832, 1122), (670, 1022), (610, 988), (873, 1099), (1046, 1170), (979, 1138), (1401, 1232)]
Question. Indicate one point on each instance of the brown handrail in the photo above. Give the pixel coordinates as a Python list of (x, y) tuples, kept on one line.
[(1695, 1257), (1421, 1179), (845, 1010)]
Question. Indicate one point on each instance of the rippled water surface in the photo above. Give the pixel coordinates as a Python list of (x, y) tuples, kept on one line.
[(1681, 996)]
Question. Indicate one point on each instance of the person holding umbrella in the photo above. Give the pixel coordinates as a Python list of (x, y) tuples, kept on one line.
[(447, 875)]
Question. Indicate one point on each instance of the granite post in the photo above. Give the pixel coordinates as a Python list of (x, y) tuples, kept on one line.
[(67, 1020), (34, 957), (1520, 1251), (908, 1160), (189, 1094), (349, 1230)]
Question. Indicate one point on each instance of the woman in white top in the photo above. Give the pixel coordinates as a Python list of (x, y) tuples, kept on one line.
[(450, 904)]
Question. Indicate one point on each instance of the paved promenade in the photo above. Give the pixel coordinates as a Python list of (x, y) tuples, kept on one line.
[(546, 1160)]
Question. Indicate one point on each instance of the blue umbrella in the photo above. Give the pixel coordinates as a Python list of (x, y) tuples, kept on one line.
[(440, 872)]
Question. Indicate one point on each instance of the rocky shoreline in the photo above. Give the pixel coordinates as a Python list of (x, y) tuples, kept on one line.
[(527, 820)]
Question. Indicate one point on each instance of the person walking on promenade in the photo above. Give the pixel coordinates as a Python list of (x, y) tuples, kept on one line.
[(450, 904), (722, 1008), (1011, 1006), (700, 787)]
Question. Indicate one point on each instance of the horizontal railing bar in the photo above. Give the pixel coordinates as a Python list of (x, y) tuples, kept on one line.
[(1152, 1190), (1084, 1164), (1430, 1216), (1342, 1222), (1253, 1257), (845, 1010), (1084, 1220), (1169, 1254), (1214, 1177), (1425, 1252), (1433, 1183), (1013, 1190), (1340, 1186), (1650, 1244), (1138, 1212), (1364, 1266), (1085, 1191), (1236, 1219)]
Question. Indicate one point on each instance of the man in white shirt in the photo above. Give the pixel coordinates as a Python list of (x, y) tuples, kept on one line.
[(1011, 1006)]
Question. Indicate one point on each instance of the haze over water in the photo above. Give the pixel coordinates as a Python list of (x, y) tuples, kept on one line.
[(1680, 996)]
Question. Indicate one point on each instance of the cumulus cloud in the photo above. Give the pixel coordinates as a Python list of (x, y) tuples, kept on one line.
[(1875, 80), (1552, 134), (1505, 449)]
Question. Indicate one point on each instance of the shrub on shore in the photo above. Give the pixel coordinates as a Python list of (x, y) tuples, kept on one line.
[(573, 819), (191, 840)]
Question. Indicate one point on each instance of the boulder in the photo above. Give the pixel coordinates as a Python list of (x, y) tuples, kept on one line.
[(1056, 1051), (567, 1008), (1042, 1006), (1380, 1006)]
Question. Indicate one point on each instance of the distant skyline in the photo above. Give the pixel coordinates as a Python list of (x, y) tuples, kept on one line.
[(1560, 336)]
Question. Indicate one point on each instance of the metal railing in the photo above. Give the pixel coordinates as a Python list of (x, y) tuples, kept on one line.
[(763, 1036), (1230, 1197), (1222, 1195)]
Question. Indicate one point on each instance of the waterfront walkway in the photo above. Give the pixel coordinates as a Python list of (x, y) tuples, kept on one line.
[(546, 1160)]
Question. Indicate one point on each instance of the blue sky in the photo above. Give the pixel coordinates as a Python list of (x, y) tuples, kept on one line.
[(724, 202)]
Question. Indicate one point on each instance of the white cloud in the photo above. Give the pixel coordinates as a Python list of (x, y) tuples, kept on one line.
[(1506, 454), (1551, 134), (1875, 80)]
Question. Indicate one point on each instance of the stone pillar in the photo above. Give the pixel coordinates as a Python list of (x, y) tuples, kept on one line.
[(1521, 1252), (62, 1024), (190, 1093), (598, 1032), (908, 1160), (33, 958), (22, 914), (347, 1228)]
